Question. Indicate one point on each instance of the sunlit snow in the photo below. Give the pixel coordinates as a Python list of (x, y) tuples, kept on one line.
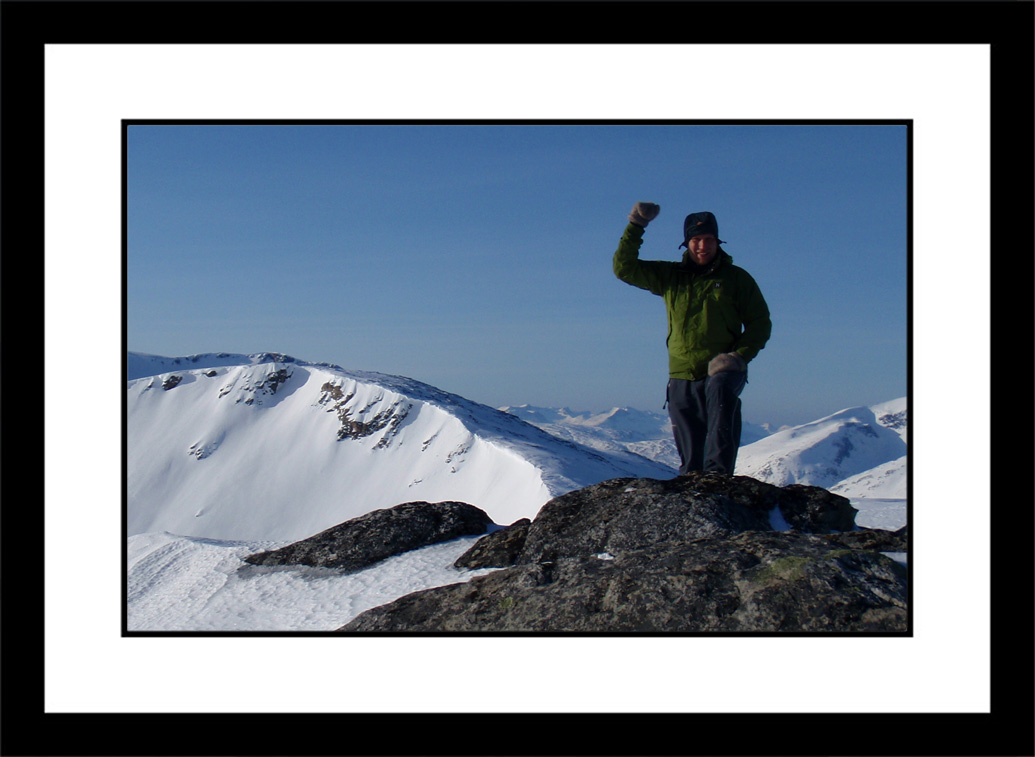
[(219, 467)]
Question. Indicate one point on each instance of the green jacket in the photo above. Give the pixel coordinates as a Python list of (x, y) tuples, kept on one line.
[(719, 310)]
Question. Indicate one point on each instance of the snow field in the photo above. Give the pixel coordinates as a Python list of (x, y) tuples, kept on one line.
[(178, 583), (277, 470), (235, 459)]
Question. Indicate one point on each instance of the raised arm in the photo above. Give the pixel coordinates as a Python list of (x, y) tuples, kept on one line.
[(645, 274)]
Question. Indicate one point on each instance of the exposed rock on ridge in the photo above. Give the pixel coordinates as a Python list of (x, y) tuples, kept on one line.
[(373, 537), (702, 553)]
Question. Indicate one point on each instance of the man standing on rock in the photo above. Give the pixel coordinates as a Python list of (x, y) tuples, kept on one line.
[(717, 322)]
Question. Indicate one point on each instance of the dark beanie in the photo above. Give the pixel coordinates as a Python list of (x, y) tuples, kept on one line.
[(699, 223)]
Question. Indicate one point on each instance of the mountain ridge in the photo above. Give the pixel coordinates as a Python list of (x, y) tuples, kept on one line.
[(838, 452), (640, 432), (266, 446), (229, 454)]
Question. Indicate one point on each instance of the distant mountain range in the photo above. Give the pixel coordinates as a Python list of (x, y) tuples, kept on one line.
[(622, 428), (856, 452), (268, 447)]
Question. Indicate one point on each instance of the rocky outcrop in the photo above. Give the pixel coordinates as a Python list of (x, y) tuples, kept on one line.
[(498, 549), (701, 553), (370, 538), (355, 423)]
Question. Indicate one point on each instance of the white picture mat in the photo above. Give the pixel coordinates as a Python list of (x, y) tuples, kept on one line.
[(944, 667)]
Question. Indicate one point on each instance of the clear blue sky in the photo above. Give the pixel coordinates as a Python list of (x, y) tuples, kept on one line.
[(477, 258)]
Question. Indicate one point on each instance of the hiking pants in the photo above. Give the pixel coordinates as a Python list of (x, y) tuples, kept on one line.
[(706, 421)]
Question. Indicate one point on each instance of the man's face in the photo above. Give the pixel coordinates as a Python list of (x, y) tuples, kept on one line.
[(703, 248)]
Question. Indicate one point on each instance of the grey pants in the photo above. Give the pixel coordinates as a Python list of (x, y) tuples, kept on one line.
[(706, 421)]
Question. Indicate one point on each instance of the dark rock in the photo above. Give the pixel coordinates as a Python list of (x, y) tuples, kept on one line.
[(630, 513), (171, 381), (332, 391), (757, 581), (697, 553), (873, 539), (380, 534), (274, 357), (353, 427), (274, 380), (627, 513), (816, 510), (805, 508), (498, 549)]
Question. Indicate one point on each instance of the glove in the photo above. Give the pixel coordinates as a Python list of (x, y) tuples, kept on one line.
[(643, 213), (726, 361)]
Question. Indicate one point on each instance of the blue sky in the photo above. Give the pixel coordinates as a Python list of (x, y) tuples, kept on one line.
[(477, 257)]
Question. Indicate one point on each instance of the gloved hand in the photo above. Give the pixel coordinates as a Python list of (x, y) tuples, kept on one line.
[(726, 361), (643, 213)]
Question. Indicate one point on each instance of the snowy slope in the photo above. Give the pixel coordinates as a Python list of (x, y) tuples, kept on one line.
[(242, 454), (619, 429), (637, 431), (266, 447), (857, 452), (182, 583), (619, 422), (885, 481)]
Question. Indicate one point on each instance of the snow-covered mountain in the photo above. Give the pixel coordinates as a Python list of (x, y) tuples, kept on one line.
[(641, 432), (228, 455), (255, 447), (859, 452)]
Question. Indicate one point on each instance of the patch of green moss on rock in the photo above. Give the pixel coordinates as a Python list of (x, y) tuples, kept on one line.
[(789, 568)]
